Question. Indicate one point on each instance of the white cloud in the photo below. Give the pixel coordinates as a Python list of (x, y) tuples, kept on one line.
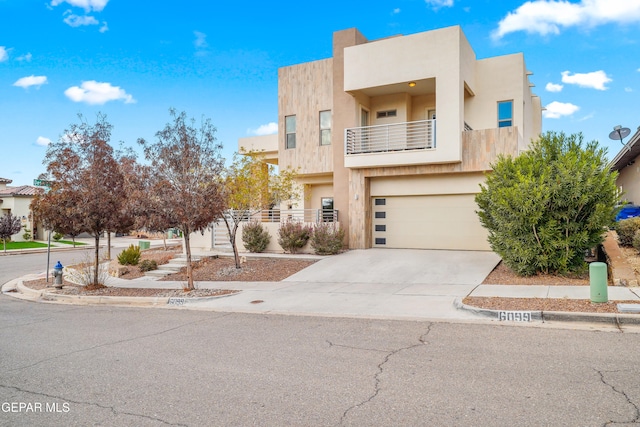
[(98, 93), (104, 27), (552, 87), (26, 82), (396, 10), (43, 141), (556, 109), (628, 89), (201, 40), (27, 57), (79, 21), (268, 129), (594, 80), (437, 4), (87, 5), (4, 54), (550, 16)]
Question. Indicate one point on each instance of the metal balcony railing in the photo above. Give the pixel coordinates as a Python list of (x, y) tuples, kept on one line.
[(419, 135), (283, 215)]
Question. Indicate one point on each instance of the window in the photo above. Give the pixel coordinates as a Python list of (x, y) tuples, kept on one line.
[(381, 241), (327, 209), (505, 114), (388, 113), (325, 127), (381, 202), (381, 227), (290, 131), (381, 215)]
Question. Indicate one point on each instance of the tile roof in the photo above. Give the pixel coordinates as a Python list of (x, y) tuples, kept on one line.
[(23, 190), (6, 180)]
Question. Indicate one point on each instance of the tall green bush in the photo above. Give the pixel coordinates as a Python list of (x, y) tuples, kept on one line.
[(327, 238), (546, 207), (292, 236), (255, 237)]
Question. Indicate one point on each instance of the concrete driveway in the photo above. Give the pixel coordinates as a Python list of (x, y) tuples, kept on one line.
[(401, 266)]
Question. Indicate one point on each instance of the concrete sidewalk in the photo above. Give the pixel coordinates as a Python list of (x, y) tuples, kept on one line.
[(340, 299)]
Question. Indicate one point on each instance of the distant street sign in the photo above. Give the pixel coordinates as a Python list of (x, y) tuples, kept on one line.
[(42, 183)]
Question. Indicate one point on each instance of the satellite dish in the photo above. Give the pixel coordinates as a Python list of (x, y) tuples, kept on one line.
[(619, 133)]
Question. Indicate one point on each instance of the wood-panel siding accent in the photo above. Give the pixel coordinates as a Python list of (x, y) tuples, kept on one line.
[(304, 90), (480, 148)]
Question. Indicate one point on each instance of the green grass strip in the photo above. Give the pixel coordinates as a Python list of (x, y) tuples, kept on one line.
[(70, 242), (22, 245)]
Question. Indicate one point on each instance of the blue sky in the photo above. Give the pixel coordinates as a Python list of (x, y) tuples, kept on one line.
[(133, 60)]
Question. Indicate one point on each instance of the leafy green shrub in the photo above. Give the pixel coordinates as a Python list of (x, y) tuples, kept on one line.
[(57, 236), (130, 256), (255, 237), (626, 230), (546, 207), (147, 265), (293, 236), (327, 238), (27, 233)]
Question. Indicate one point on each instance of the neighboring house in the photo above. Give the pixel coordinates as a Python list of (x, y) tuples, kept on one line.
[(17, 201), (627, 164)]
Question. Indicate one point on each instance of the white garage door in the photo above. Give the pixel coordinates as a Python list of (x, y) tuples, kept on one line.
[(428, 222)]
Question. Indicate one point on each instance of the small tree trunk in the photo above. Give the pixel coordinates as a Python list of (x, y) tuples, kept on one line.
[(108, 245), (164, 240), (96, 264), (232, 237), (187, 246), (73, 238)]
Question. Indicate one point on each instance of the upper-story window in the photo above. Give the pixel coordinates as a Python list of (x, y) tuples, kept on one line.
[(290, 131), (505, 114), (386, 113), (325, 127)]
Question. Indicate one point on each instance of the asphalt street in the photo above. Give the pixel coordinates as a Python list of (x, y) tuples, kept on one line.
[(17, 265), (64, 365)]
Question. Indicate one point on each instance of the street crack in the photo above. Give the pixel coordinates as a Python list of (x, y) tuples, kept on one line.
[(97, 405), (355, 348), (636, 419), (376, 377)]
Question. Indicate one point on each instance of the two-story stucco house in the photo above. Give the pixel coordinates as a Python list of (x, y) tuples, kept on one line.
[(397, 134)]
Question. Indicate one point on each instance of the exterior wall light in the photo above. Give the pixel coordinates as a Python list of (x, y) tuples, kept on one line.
[(412, 84)]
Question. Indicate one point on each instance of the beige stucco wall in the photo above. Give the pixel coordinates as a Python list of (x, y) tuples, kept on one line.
[(468, 183), (434, 54), (629, 182), (504, 78), (204, 241), (265, 144), (304, 90), (20, 207)]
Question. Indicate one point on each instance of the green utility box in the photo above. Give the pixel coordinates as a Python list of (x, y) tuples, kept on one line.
[(144, 244), (598, 282)]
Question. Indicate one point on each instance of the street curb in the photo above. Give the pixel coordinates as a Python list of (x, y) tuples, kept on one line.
[(616, 319), (44, 296)]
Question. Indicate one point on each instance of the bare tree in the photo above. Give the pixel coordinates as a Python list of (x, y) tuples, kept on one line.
[(87, 184), (9, 225), (186, 167)]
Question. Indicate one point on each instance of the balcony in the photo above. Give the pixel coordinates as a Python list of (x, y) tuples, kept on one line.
[(397, 144), (418, 135)]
